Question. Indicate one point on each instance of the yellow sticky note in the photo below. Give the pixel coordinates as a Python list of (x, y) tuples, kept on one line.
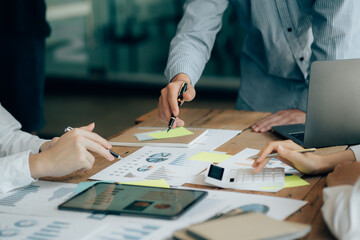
[(177, 132), (294, 181), (149, 183), (210, 157), (291, 181)]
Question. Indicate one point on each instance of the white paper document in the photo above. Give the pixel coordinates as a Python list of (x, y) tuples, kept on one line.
[(154, 163), (214, 138), (42, 198), (44, 228), (241, 160)]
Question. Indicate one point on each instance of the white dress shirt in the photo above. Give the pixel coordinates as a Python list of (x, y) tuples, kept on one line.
[(341, 209), (15, 148)]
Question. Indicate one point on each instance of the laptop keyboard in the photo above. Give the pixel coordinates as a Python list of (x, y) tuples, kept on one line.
[(299, 136)]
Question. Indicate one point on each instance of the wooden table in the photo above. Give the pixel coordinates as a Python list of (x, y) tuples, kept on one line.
[(236, 120)]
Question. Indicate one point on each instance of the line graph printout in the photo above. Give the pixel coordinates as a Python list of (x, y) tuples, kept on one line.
[(153, 163), (44, 228)]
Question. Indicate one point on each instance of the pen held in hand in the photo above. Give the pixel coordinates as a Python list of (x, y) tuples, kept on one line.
[(115, 155), (277, 154)]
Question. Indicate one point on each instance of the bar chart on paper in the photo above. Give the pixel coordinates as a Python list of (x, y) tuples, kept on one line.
[(35, 198), (130, 230), (43, 228)]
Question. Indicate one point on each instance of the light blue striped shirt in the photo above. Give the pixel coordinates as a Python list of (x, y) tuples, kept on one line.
[(283, 39)]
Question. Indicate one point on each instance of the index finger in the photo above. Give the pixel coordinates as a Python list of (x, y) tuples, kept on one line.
[(93, 136), (173, 96)]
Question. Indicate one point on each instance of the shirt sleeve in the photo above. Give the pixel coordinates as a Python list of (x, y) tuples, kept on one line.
[(12, 139), (190, 49), (15, 171), (341, 210), (15, 148), (334, 25), (356, 151)]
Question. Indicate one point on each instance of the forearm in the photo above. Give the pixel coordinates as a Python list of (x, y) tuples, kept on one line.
[(328, 162), (191, 47)]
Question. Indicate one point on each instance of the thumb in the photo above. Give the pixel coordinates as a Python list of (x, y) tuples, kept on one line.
[(189, 94), (89, 127)]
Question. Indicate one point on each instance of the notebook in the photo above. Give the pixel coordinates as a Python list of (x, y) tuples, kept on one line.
[(129, 139), (245, 226)]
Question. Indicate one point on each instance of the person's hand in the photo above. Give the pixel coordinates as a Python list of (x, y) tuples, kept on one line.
[(307, 163), (49, 144), (284, 117), (346, 173), (168, 103), (70, 153)]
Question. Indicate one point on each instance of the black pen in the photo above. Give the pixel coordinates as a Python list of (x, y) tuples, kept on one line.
[(68, 129), (180, 99)]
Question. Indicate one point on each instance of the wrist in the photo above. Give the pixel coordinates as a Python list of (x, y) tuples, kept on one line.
[(181, 77), (325, 165), (38, 167)]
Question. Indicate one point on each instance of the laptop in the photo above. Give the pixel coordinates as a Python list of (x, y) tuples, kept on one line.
[(333, 107)]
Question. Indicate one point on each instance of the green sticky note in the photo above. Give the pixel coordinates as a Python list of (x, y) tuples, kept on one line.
[(150, 183), (177, 132), (210, 157), (291, 181)]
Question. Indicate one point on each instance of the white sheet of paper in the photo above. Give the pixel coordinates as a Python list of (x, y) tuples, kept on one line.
[(214, 139), (40, 199), (240, 160), (35, 201), (153, 163), (32, 227), (218, 202)]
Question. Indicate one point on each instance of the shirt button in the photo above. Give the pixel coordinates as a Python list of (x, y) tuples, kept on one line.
[(302, 59), (289, 29)]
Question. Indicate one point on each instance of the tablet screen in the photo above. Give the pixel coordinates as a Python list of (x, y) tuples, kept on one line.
[(114, 198)]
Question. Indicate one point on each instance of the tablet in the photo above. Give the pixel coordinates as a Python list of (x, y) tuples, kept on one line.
[(112, 198)]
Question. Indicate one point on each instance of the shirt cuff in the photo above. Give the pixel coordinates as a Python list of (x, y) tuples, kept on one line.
[(356, 151), (35, 144), (15, 171), (171, 72)]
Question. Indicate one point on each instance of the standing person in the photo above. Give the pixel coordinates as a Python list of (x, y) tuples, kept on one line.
[(23, 29), (283, 39)]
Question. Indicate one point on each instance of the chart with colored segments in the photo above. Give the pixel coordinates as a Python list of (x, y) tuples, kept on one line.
[(154, 163)]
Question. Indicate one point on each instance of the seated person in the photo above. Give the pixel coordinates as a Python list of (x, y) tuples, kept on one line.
[(24, 157), (341, 209)]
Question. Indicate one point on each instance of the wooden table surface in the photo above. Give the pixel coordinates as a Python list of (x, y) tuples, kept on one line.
[(236, 120)]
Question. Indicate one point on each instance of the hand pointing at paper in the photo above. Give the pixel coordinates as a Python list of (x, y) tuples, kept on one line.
[(168, 103), (308, 163)]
